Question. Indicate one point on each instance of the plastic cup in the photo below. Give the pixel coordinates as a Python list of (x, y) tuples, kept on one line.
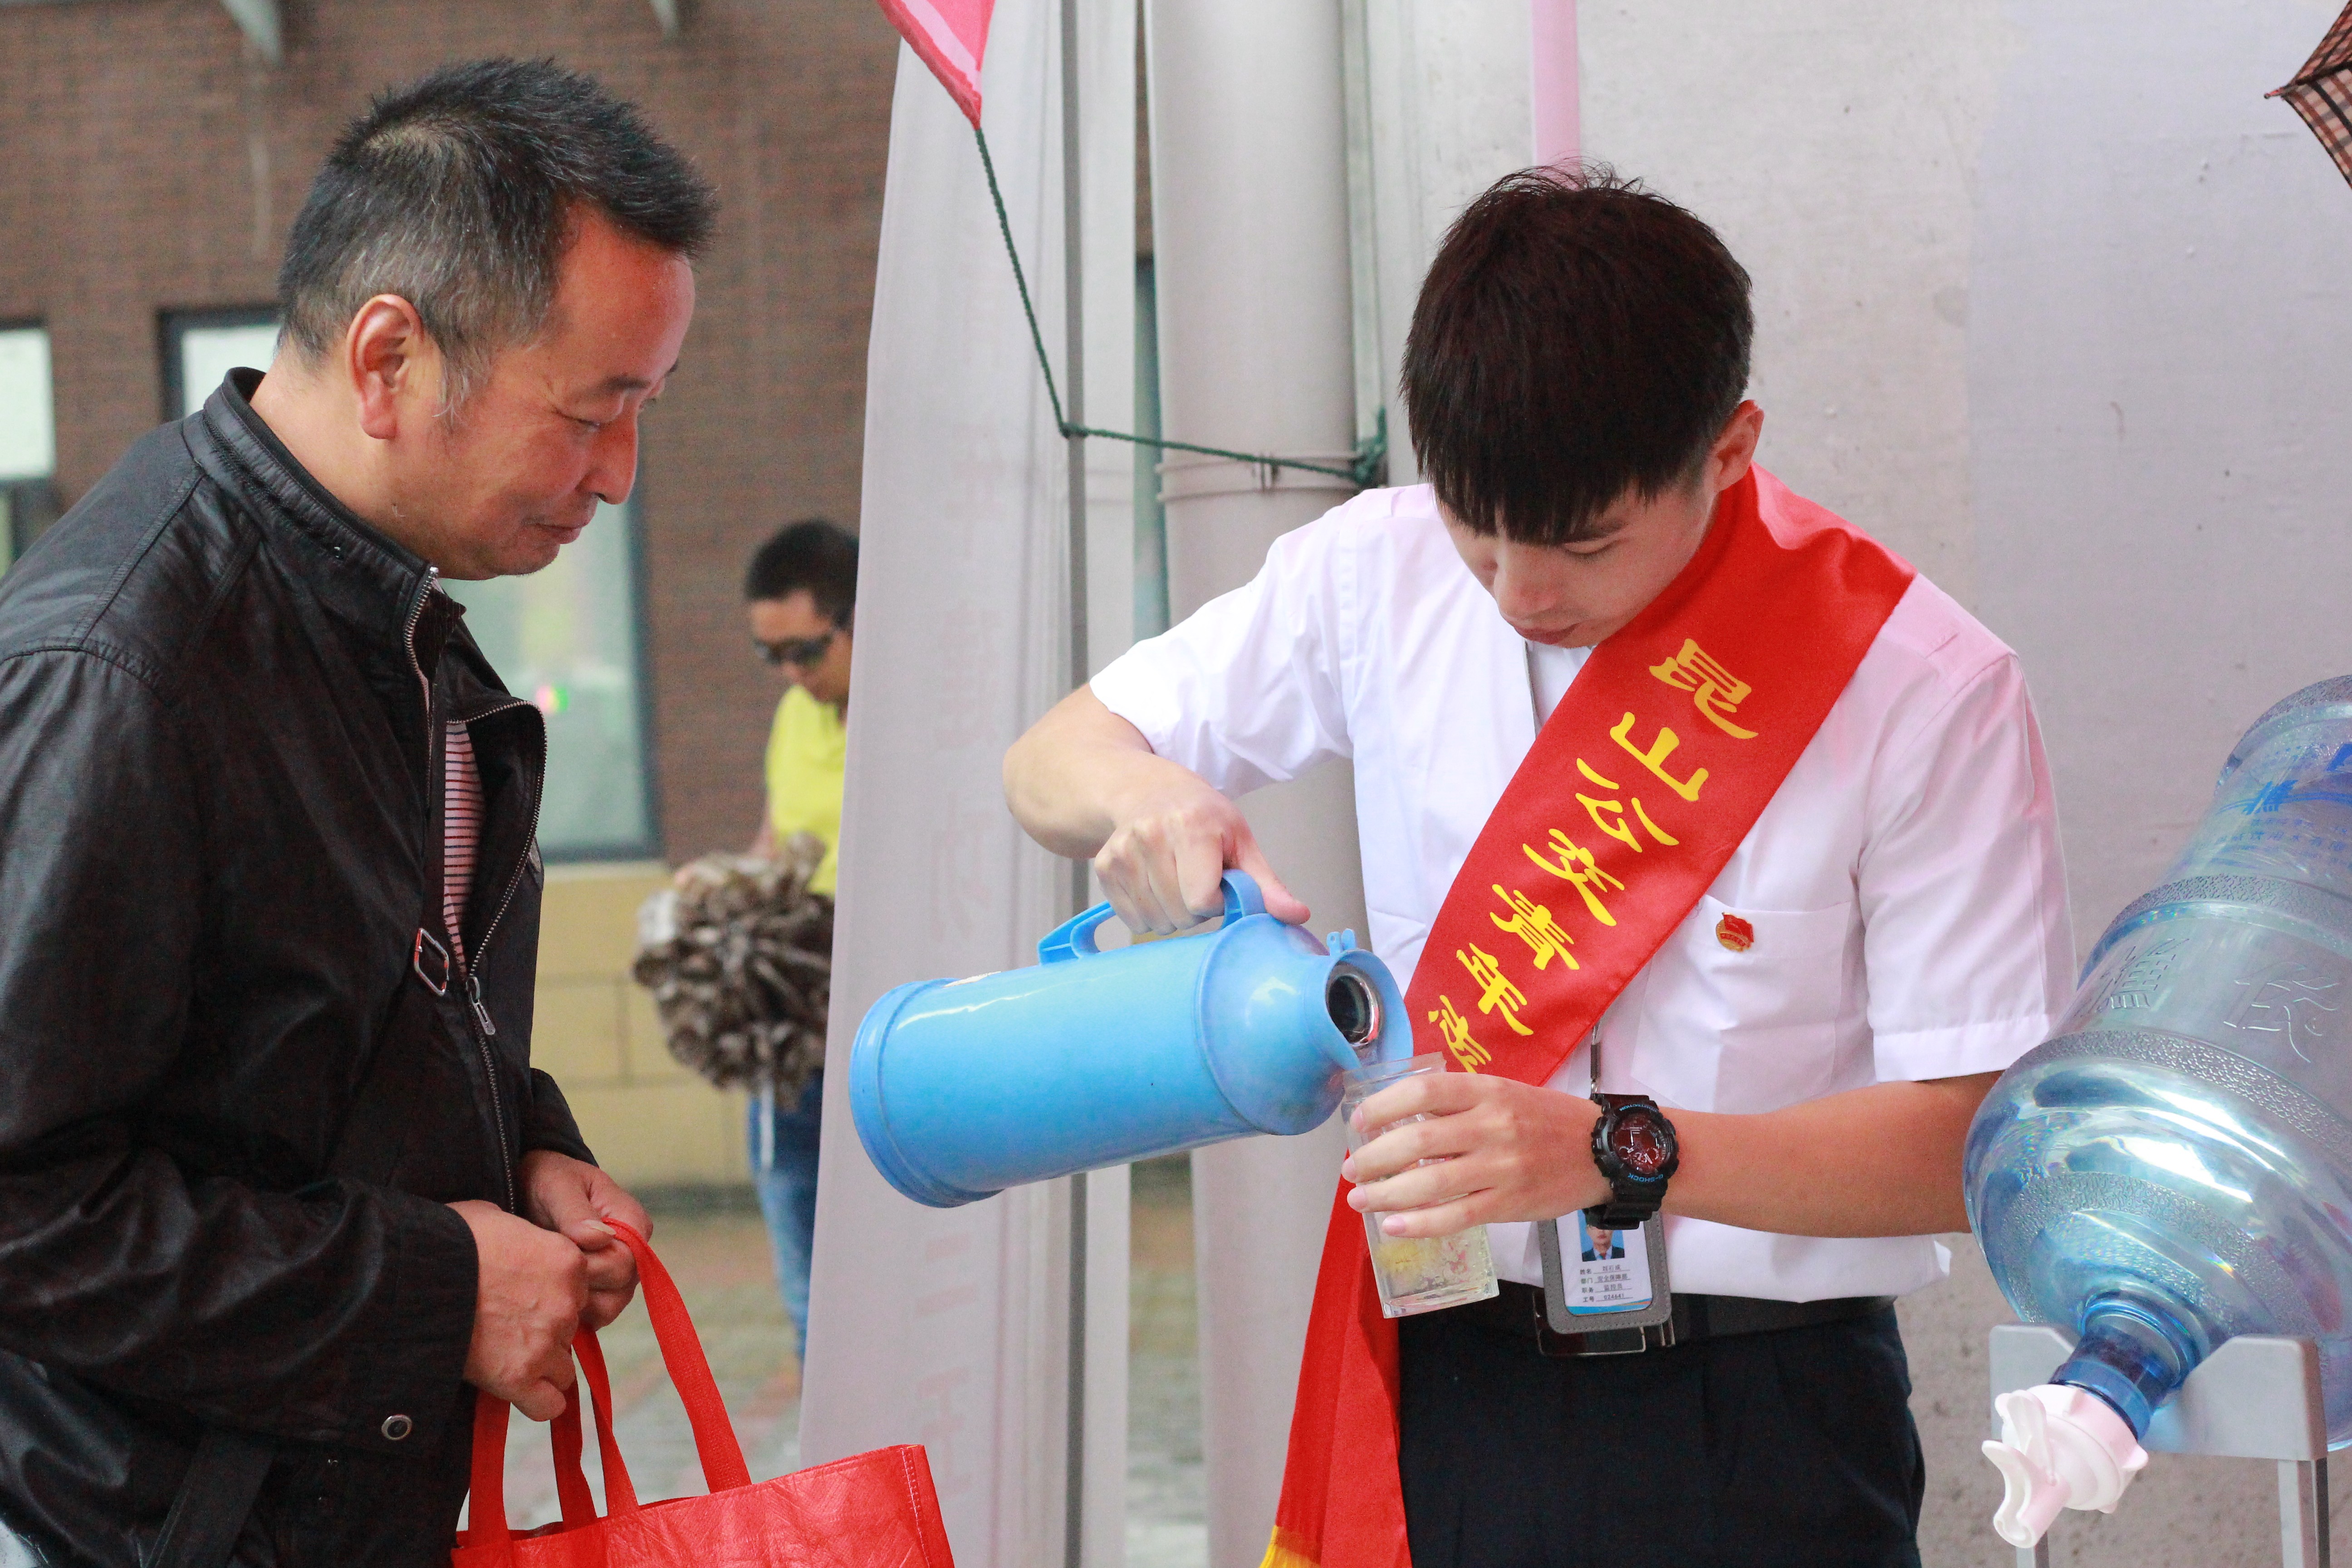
[(1415, 1274)]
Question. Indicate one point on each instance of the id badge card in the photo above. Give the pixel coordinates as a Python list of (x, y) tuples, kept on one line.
[(1596, 1279)]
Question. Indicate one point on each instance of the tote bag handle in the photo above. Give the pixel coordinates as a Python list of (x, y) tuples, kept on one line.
[(681, 1348), (689, 1370)]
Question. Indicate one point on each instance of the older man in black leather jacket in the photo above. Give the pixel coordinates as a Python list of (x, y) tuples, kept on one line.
[(279, 1188)]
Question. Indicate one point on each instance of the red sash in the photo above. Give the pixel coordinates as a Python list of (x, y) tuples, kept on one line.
[(1666, 749)]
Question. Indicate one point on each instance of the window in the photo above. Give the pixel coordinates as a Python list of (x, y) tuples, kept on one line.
[(566, 638), (200, 347), (28, 441)]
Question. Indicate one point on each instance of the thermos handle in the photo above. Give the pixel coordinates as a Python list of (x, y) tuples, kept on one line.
[(1074, 937), (1241, 897)]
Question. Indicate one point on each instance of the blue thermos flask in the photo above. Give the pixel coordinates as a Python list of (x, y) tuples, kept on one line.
[(963, 1088), (2175, 1167)]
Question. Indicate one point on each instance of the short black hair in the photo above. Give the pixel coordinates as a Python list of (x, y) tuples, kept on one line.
[(461, 191), (1578, 337), (812, 554)]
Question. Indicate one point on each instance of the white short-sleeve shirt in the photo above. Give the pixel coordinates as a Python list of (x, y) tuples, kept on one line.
[(1905, 883)]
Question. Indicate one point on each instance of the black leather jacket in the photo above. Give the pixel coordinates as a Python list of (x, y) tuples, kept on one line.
[(232, 1108)]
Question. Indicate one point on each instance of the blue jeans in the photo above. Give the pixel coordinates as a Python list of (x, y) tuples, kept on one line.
[(783, 1141)]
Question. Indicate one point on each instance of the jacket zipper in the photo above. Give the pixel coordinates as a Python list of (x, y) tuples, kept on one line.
[(466, 971), (514, 879), (474, 1000), (408, 645), (471, 965)]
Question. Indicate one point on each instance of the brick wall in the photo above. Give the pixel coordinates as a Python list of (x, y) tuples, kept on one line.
[(650, 1122), (148, 163)]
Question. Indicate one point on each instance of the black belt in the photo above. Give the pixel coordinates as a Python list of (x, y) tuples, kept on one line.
[(1518, 1310)]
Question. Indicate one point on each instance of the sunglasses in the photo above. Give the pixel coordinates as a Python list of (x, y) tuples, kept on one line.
[(798, 652)]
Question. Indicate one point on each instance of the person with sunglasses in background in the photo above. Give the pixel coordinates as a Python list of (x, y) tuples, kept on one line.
[(798, 596)]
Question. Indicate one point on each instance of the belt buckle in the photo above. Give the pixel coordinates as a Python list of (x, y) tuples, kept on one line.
[(1607, 1341)]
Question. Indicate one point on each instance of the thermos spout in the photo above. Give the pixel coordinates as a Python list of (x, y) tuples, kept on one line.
[(1354, 1006)]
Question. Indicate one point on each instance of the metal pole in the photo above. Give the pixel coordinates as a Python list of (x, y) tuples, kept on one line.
[(2303, 1512), (1074, 317)]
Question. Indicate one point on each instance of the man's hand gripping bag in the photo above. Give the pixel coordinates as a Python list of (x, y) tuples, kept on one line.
[(875, 1510)]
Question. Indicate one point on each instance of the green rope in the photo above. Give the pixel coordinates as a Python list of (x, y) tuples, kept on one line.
[(1372, 454), (1021, 280)]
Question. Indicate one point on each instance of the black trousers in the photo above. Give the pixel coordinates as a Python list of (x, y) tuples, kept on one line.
[(1757, 1450)]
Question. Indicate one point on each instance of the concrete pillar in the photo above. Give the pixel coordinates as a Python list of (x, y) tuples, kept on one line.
[(1250, 226)]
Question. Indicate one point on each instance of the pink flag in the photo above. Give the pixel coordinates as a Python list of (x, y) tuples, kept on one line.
[(950, 35)]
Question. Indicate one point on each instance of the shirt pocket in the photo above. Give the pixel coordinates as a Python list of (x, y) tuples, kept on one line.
[(1771, 984)]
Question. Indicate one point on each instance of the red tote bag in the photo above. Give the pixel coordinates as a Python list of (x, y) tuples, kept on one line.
[(876, 1510)]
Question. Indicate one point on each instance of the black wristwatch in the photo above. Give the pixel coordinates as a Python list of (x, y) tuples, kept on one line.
[(1633, 1145)]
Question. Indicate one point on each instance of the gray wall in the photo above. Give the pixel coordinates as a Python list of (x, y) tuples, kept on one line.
[(2052, 300), (2160, 375)]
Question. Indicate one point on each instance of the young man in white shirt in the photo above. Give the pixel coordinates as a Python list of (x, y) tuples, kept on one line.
[(1812, 923)]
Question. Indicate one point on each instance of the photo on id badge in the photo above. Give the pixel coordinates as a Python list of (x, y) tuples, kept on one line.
[(1613, 1271)]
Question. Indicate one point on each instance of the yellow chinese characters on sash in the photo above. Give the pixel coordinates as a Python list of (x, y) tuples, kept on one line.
[(1607, 867)]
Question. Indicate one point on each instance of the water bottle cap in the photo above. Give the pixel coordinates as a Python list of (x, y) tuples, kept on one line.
[(2060, 1447)]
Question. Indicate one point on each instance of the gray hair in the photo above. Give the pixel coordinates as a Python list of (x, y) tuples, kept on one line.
[(460, 194)]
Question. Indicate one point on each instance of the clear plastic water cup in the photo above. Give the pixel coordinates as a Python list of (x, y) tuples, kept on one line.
[(1415, 1274)]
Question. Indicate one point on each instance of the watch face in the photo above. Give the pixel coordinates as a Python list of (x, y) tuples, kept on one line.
[(1640, 1143)]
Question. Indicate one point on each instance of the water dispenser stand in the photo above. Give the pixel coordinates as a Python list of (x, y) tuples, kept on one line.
[(2257, 1397)]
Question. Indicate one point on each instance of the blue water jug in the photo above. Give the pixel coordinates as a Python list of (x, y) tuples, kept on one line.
[(964, 1088), (2175, 1167)]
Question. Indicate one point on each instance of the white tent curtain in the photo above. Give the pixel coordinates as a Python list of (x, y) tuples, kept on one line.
[(949, 1328)]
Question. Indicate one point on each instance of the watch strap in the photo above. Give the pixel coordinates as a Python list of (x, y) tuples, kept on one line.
[(1616, 1214)]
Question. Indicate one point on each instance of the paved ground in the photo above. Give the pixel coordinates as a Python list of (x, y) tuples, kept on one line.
[(720, 1262)]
